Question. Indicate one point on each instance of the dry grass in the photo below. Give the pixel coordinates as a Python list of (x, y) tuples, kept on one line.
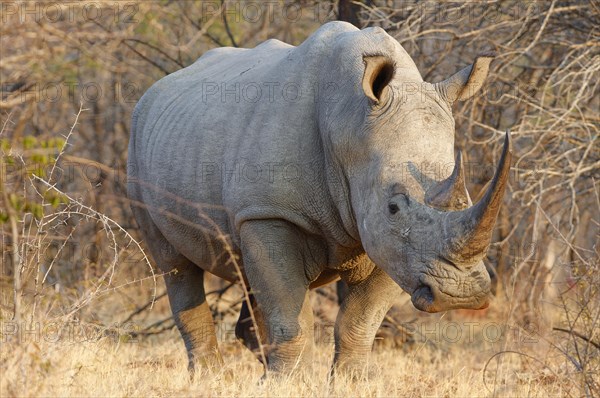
[(79, 364), (107, 368)]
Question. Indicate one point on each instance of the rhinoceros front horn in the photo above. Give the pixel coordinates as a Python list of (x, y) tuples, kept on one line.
[(468, 232)]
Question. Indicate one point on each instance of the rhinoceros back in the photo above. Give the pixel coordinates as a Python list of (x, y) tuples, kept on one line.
[(230, 138)]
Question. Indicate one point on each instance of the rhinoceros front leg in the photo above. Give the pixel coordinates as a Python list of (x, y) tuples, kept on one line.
[(276, 262), (361, 313)]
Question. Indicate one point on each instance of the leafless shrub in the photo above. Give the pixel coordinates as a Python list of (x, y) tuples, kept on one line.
[(55, 216)]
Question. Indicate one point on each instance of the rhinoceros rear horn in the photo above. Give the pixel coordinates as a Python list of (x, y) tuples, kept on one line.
[(379, 71), (465, 83), (469, 232), (451, 193)]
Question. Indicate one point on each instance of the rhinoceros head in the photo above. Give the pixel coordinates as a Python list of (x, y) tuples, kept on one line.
[(412, 211)]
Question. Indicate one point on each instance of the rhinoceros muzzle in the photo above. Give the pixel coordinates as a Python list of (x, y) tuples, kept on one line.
[(430, 297), (425, 298)]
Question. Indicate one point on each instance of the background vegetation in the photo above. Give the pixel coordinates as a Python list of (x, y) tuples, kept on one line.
[(77, 288)]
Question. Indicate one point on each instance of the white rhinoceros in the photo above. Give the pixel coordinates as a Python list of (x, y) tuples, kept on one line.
[(310, 163)]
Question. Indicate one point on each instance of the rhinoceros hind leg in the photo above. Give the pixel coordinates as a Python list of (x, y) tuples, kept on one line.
[(193, 316), (245, 328), (185, 288)]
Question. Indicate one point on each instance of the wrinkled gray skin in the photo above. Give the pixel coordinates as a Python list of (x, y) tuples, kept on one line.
[(303, 182)]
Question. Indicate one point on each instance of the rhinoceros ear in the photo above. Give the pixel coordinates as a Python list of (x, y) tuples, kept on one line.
[(464, 84), (379, 71)]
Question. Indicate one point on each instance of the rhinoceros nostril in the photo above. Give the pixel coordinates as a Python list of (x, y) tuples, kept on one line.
[(423, 298)]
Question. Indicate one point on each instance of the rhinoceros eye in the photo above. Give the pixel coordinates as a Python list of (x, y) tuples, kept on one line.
[(393, 208)]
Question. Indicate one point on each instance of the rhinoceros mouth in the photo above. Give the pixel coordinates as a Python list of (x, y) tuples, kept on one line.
[(428, 297)]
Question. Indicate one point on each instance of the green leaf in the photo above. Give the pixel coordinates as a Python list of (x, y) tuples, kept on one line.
[(29, 141), (37, 210), (55, 201), (5, 144), (14, 201), (39, 172)]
